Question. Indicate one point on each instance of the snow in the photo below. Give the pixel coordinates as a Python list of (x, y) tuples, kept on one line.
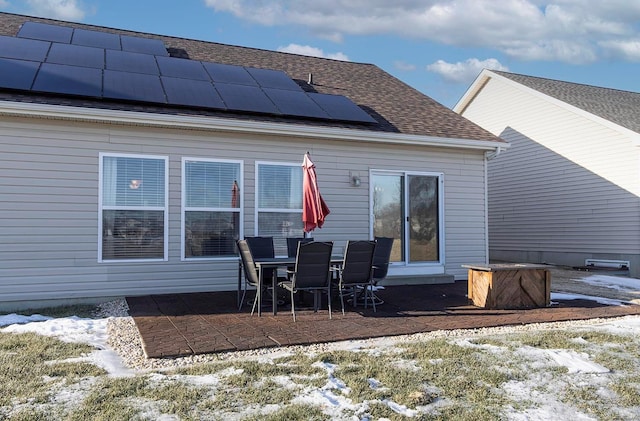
[(333, 397), (72, 329)]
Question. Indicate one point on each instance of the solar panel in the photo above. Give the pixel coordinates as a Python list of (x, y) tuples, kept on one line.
[(126, 61), (341, 108), (58, 59), (268, 78), (198, 93), (72, 80), (295, 103), (227, 73), (17, 74), (143, 45), (133, 87), (245, 98), (76, 55), (23, 49), (96, 39), (45, 32), (183, 68)]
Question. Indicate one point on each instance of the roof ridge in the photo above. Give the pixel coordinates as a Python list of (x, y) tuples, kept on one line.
[(111, 28), (507, 74)]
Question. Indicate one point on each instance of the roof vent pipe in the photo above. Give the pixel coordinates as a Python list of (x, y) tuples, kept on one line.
[(310, 78)]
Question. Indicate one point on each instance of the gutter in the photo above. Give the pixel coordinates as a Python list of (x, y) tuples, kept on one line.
[(133, 118), (494, 154)]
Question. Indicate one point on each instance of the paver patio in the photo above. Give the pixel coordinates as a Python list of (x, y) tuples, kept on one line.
[(186, 324)]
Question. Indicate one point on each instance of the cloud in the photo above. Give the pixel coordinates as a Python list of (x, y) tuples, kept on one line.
[(627, 49), (464, 72), (4, 3), (571, 31), (57, 9), (405, 67), (307, 50)]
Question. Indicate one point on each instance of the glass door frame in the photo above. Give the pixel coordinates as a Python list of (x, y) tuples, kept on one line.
[(405, 267)]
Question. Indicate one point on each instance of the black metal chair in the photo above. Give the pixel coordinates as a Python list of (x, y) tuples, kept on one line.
[(292, 244), (251, 277), (381, 258), (263, 247), (292, 249), (357, 271), (311, 273)]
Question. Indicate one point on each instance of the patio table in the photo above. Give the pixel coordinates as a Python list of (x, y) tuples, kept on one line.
[(274, 263)]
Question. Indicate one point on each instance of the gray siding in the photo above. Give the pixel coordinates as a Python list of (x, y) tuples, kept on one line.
[(49, 203), (568, 187)]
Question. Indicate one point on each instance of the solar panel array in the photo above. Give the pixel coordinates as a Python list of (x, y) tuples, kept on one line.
[(61, 60)]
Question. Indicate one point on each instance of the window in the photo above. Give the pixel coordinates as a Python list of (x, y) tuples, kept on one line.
[(211, 207), (279, 202), (133, 207)]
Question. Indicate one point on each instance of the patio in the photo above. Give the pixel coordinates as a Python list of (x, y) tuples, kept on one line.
[(186, 324)]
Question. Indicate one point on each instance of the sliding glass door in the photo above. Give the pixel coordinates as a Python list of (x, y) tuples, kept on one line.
[(407, 207)]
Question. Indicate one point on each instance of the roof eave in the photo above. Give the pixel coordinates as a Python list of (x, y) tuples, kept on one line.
[(475, 87), (487, 74), (135, 118)]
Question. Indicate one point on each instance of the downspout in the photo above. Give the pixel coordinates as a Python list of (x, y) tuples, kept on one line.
[(488, 156)]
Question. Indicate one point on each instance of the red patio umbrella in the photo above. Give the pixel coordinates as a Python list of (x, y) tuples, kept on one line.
[(314, 209)]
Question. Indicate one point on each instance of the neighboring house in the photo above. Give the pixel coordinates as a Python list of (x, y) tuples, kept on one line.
[(130, 162), (567, 190)]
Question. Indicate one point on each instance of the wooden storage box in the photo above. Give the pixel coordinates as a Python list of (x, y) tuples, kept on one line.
[(509, 285)]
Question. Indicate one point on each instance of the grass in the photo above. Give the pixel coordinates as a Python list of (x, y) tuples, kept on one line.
[(475, 378), (80, 310), (31, 367)]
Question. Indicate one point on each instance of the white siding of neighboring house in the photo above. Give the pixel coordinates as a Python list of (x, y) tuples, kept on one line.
[(567, 189), (49, 203)]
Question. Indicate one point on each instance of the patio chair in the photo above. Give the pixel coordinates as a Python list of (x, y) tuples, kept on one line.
[(292, 244), (381, 258), (357, 271), (251, 277), (292, 249), (311, 273), (262, 247)]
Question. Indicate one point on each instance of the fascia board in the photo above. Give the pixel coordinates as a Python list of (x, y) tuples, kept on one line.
[(60, 112)]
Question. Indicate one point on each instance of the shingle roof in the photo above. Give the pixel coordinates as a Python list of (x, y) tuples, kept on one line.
[(620, 107), (396, 106)]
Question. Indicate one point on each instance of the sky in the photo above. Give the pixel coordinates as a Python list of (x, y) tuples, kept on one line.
[(333, 395), (436, 46)]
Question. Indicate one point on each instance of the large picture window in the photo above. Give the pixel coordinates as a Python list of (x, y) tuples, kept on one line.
[(133, 207), (211, 207), (279, 202)]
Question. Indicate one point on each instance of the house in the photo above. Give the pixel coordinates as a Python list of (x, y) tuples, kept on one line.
[(131, 162), (567, 190)]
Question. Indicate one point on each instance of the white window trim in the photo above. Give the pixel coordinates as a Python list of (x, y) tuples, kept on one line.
[(257, 209), (421, 268), (101, 157), (184, 209)]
